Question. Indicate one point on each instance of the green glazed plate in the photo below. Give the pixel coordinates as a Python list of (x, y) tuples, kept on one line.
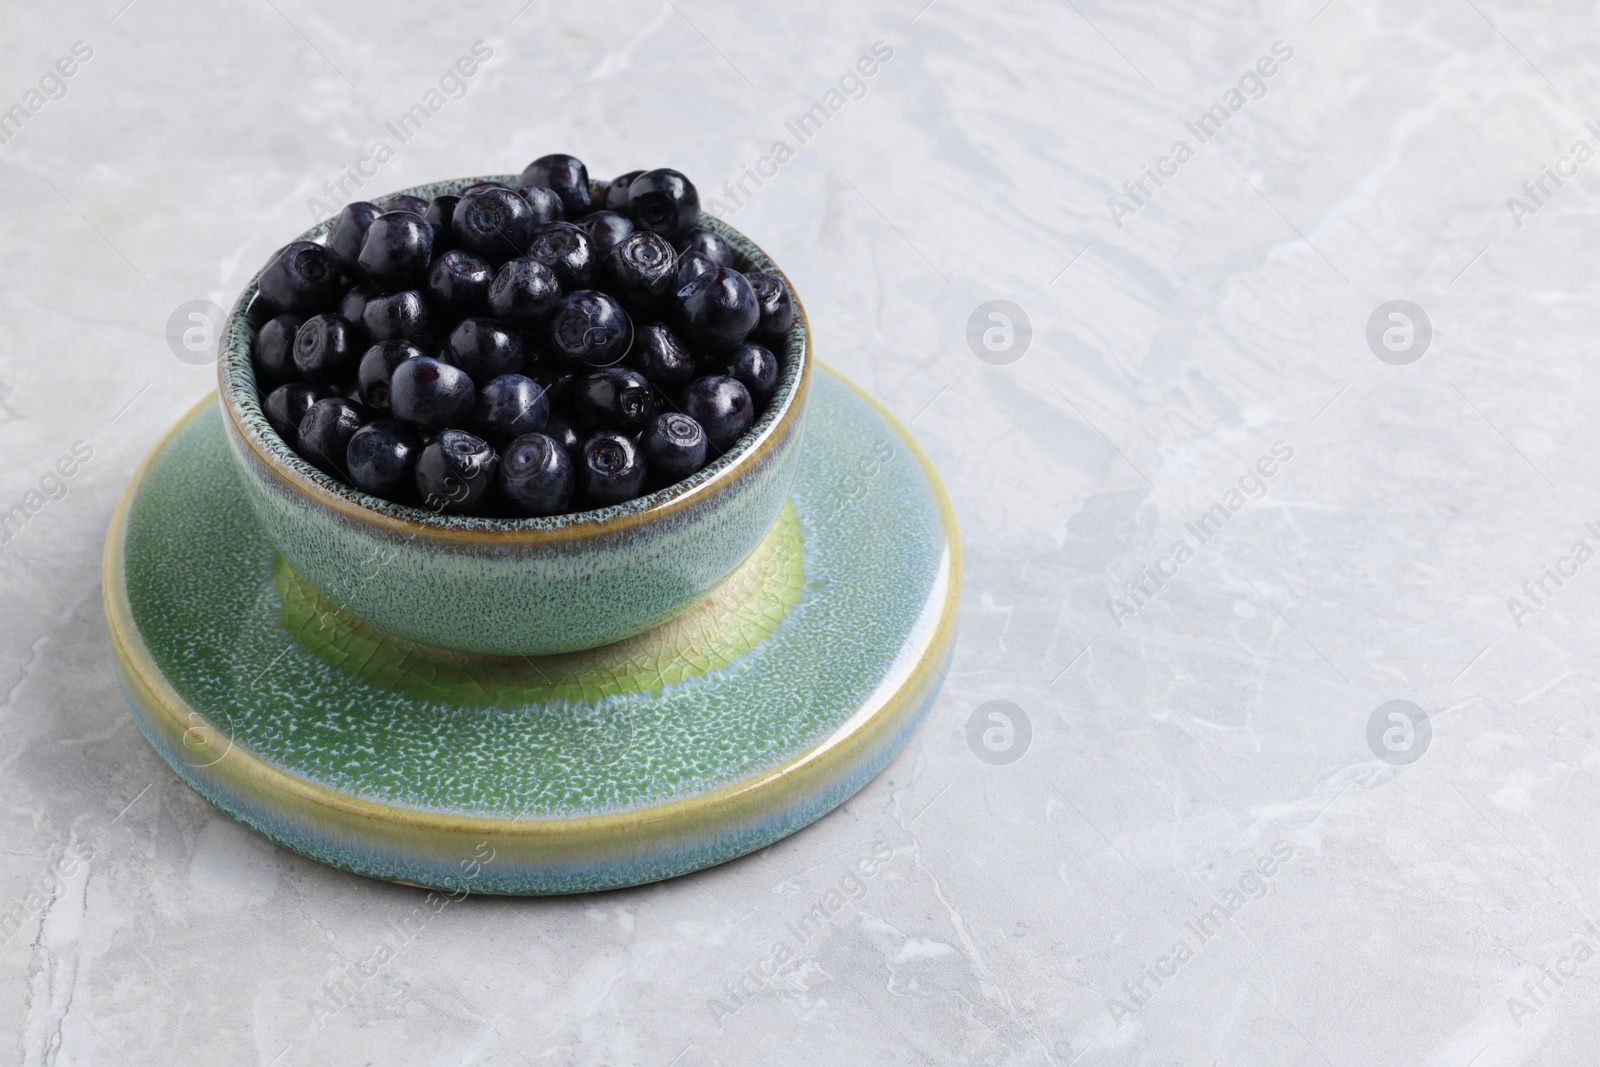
[(750, 715)]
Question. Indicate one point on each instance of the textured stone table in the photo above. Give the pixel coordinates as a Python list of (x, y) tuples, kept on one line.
[(1222, 842)]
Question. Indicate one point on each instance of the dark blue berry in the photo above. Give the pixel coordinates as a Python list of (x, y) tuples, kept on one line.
[(431, 393), (756, 368), (567, 251), (709, 244), (302, 279), (509, 407), (717, 310), (777, 308), (564, 175), (325, 349), (616, 398), (664, 201), (354, 303), (377, 368), (441, 211), (405, 202), (606, 229), (325, 432), (545, 205), (494, 223), (722, 406), (458, 284), (591, 327), (397, 249), (484, 348), (675, 447), (382, 459), (691, 265), (616, 195), (455, 472), (398, 316), (555, 376), (560, 429), (536, 475), (660, 356), (274, 351), (349, 229), (524, 293), (641, 271), (287, 405), (613, 469)]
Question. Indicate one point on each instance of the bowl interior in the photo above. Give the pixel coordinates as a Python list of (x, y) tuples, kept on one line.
[(237, 380)]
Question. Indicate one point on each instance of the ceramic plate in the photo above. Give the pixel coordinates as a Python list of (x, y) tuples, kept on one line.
[(745, 718)]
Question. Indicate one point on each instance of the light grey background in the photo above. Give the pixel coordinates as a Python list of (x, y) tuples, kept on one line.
[(1169, 754)]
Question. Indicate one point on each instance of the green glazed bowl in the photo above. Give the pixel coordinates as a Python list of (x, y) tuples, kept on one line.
[(516, 587)]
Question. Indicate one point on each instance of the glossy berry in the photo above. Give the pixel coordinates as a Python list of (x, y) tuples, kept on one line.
[(756, 368), (717, 310), (660, 356), (405, 202), (709, 244), (431, 393), (691, 265), (509, 407), (617, 398), (484, 348), (302, 279), (536, 475), (441, 211), (325, 432), (397, 249), (382, 459), (377, 368), (567, 251), (349, 229), (287, 405), (564, 175), (560, 429), (455, 472), (612, 470), (398, 316), (664, 201), (641, 271), (674, 446), (458, 284), (354, 303), (524, 294), (591, 327), (616, 195), (606, 229), (545, 205), (777, 308), (273, 353), (555, 376), (325, 349), (494, 223), (722, 406)]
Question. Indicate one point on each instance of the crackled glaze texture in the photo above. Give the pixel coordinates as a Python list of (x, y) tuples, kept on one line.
[(516, 587), (735, 723)]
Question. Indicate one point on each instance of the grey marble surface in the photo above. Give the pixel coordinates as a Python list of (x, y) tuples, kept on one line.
[(1218, 846)]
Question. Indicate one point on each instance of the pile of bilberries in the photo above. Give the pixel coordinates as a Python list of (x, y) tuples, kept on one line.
[(519, 351)]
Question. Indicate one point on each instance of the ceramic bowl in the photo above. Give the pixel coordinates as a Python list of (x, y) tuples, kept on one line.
[(515, 587)]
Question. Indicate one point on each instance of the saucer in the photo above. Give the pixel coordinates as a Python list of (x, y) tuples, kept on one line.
[(751, 714)]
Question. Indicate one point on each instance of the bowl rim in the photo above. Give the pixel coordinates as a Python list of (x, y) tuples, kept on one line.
[(242, 404)]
